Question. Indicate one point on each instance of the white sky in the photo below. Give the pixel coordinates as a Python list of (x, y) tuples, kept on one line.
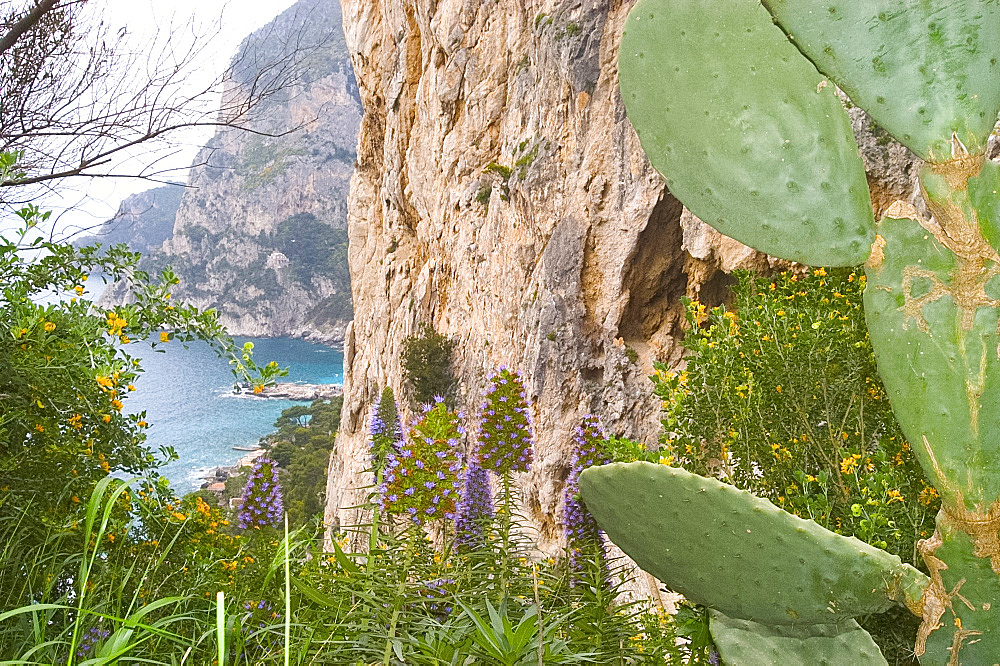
[(226, 22)]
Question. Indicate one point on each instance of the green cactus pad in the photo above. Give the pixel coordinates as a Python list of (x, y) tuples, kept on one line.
[(966, 593), (923, 70), (730, 550), (934, 328), (746, 132), (747, 643)]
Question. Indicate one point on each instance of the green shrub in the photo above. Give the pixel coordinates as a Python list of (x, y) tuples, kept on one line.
[(426, 361), (781, 397)]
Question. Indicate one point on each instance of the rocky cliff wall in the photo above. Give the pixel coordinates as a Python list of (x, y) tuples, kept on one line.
[(143, 220), (501, 195), (260, 233)]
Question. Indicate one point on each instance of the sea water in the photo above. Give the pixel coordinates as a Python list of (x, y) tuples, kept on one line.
[(188, 398)]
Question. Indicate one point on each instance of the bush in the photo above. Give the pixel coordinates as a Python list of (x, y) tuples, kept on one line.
[(781, 397), (426, 361)]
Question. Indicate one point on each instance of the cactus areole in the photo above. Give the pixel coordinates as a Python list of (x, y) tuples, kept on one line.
[(734, 102)]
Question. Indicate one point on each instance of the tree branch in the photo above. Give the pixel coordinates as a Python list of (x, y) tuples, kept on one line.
[(26, 23)]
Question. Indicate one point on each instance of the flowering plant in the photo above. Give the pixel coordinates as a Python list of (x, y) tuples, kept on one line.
[(475, 508), (421, 479), (262, 504), (505, 430), (581, 529), (386, 432)]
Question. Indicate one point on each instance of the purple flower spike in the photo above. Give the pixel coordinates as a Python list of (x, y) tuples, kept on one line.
[(582, 532), (262, 505), (475, 508), (386, 432), (432, 458), (505, 430)]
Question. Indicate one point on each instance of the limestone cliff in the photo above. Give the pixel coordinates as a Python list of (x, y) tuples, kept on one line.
[(143, 220), (260, 233), (502, 195)]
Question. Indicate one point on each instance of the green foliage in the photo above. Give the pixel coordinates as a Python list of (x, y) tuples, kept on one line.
[(426, 361), (65, 373), (386, 429), (484, 194), (313, 248), (301, 446), (781, 397), (785, 384)]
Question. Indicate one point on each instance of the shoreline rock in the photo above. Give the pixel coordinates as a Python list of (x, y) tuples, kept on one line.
[(298, 392)]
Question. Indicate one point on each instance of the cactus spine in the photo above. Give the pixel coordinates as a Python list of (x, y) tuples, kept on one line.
[(760, 148)]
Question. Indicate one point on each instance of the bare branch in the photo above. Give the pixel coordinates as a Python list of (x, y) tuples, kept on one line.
[(27, 22)]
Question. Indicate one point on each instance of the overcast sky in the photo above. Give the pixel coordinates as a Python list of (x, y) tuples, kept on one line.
[(227, 22)]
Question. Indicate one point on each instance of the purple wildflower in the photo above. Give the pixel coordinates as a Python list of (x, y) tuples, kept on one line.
[(582, 532), (418, 485), (437, 592), (386, 433), (90, 639), (505, 430), (475, 508), (262, 505)]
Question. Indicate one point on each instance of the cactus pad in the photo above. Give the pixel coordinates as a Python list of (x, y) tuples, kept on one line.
[(747, 643), (747, 133), (738, 553), (933, 321), (923, 70)]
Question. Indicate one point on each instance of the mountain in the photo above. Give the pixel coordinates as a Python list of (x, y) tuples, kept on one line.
[(260, 233), (143, 220)]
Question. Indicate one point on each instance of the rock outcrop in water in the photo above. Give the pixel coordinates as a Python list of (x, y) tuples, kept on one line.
[(501, 195), (260, 232)]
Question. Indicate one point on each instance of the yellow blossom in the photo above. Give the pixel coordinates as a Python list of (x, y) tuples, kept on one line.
[(164, 336), (850, 463), (49, 326)]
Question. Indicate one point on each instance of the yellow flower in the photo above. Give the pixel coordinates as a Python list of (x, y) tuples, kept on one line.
[(142, 424), (79, 290), (850, 463), (258, 389), (39, 427), (49, 326), (819, 272), (106, 418), (75, 421), (164, 336), (117, 404)]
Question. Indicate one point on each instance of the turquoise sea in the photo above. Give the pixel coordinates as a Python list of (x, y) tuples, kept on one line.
[(189, 402)]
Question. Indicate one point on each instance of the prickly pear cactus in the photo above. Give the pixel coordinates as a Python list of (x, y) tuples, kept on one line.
[(733, 101)]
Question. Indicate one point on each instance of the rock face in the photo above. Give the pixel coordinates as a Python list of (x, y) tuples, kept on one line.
[(502, 196), (143, 220), (260, 233)]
